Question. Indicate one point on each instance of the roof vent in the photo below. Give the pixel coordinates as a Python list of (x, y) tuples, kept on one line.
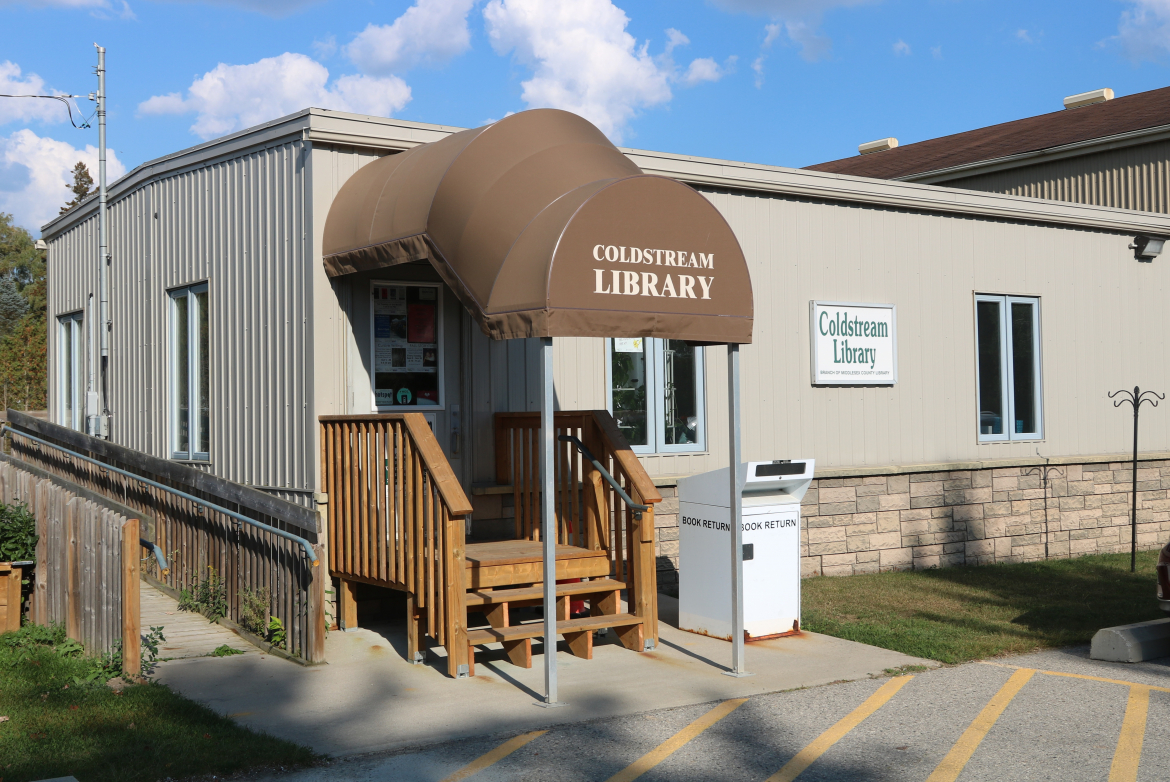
[(1088, 98), (881, 145)]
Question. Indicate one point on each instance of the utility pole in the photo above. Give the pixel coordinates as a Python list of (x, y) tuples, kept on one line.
[(99, 407)]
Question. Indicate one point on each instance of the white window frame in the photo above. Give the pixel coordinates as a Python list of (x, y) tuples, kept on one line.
[(193, 355), (655, 399), (1007, 364), (441, 358), (73, 324)]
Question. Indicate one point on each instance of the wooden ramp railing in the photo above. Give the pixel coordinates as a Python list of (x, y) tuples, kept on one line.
[(590, 513), (248, 562), (396, 519)]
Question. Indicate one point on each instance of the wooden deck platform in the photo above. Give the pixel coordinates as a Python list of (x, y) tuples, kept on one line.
[(507, 562)]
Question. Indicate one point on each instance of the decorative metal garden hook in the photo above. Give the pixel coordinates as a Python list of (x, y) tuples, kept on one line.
[(1135, 398), (1045, 472)]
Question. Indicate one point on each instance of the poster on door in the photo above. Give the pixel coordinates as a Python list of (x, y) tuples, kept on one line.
[(405, 353)]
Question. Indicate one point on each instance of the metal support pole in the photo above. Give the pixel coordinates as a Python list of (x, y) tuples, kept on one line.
[(548, 521), (103, 247), (1133, 513), (738, 666)]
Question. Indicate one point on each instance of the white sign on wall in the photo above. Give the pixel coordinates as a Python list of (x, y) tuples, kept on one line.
[(854, 344)]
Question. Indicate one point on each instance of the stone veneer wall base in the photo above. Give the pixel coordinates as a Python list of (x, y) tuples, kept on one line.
[(917, 520)]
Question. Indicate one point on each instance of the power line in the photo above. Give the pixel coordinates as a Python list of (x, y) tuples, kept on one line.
[(63, 98)]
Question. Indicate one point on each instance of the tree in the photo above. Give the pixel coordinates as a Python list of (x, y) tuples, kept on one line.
[(23, 341), (13, 306), (81, 188)]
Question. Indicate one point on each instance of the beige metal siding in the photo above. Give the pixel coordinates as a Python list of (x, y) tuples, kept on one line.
[(1103, 327), (1134, 177), (240, 225)]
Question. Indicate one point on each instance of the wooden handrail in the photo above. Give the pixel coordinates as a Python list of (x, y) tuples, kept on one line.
[(430, 451)]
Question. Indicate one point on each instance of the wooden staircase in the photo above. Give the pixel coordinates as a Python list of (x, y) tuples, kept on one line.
[(396, 519)]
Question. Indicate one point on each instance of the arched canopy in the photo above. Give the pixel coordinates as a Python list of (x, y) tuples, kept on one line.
[(543, 228)]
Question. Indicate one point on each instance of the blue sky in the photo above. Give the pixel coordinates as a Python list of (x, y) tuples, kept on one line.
[(784, 82)]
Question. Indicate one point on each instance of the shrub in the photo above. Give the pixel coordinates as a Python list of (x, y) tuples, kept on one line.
[(18, 533), (254, 610)]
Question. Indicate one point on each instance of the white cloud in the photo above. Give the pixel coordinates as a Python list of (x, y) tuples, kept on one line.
[(14, 82), (430, 32), (231, 97), (936, 52), (675, 39), (901, 48), (813, 45), (326, 48), (582, 59), (706, 69), (1022, 35), (35, 175), (1144, 30), (801, 20), (771, 33)]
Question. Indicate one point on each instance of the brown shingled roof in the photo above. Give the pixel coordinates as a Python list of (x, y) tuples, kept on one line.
[(1120, 115)]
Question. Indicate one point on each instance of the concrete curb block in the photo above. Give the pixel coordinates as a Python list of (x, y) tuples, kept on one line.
[(1132, 643)]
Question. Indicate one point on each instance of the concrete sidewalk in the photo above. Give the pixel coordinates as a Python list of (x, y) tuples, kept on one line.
[(369, 699)]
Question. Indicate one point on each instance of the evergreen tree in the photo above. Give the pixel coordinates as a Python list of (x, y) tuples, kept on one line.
[(81, 188), (12, 305)]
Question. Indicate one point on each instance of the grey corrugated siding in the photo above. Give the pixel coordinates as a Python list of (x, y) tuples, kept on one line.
[(240, 225), (1136, 177)]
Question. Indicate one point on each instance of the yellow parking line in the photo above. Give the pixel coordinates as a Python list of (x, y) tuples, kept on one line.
[(821, 744), (672, 744), (952, 765), (1129, 743), (496, 755), (1083, 676)]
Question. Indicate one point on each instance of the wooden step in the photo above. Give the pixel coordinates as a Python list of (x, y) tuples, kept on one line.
[(483, 597), (536, 629)]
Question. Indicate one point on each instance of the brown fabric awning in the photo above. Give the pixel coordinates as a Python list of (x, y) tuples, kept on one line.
[(543, 228)]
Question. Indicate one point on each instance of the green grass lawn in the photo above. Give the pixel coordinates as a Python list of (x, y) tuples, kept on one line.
[(57, 726), (968, 613)]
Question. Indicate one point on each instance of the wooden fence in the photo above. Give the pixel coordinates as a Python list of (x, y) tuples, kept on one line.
[(396, 519), (10, 578), (198, 542), (590, 513), (87, 558)]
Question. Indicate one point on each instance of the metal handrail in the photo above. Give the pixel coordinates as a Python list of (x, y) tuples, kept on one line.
[(159, 557), (568, 438), (308, 547)]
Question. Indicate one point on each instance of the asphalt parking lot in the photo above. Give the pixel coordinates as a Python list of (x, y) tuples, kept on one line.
[(1048, 716)]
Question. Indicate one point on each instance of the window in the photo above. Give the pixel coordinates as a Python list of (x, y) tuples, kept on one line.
[(190, 384), (406, 333), (1008, 365), (70, 372), (656, 394)]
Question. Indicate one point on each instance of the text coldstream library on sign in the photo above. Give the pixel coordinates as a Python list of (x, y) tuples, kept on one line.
[(853, 344)]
